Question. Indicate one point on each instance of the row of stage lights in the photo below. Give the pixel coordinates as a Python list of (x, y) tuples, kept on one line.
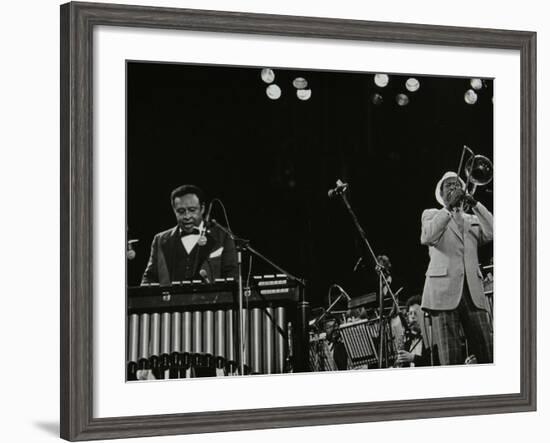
[(471, 96), (413, 85), (402, 99), (274, 92)]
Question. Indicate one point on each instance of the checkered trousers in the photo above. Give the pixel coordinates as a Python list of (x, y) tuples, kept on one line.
[(467, 320)]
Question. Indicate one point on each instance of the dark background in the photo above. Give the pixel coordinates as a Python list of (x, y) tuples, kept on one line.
[(272, 162)]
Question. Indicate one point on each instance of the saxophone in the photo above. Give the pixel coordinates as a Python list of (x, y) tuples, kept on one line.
[(400, 329), (410, 332)]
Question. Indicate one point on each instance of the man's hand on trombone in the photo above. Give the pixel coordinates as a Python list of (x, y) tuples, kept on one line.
[(469, 202), (456, 198), (459, 198)]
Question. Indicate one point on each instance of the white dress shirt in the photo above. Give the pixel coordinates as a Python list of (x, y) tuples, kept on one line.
[(189, 241)]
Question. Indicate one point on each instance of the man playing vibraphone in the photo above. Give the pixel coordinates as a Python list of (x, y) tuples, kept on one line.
[(190, 250)]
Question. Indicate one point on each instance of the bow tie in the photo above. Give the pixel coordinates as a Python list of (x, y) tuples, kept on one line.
[(194, 231)]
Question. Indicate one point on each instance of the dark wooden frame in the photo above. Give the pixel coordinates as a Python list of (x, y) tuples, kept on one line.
[(77, 23)]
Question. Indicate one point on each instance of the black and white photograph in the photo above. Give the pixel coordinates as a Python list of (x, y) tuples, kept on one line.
[(283, 220), (233, 221)]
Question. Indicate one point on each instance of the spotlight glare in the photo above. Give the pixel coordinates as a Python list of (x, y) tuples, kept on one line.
[(273, 92), (268, 75), (476, 83), (303, 94), (402, 99), (381, 80), (412, 84), (470, 97), (300, 83), (377, 99)]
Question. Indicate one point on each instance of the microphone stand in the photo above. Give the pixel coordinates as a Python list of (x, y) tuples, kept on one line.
[(428, 316), (243, 245), (383, 282), (334, 303)]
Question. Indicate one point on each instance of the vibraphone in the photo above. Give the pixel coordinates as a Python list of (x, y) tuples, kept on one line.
[(191, 329)]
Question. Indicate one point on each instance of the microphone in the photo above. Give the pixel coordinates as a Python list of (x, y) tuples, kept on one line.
[(340, 188), (207, 218), (346, 295), (202, 239), (130, 251), (342, 292), (204, 276), (356, 267)]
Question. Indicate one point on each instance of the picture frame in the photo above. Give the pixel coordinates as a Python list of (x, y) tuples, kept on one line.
[(78, 21)]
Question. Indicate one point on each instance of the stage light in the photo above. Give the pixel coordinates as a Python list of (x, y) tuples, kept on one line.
[(381, 80), (268, 75), (476, 83), (377, 99), (402, 99), (300, 83), (273, 92), (412, 84), (470, 97), (303, 94)]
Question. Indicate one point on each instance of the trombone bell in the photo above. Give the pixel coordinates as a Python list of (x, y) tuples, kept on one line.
[(479, 170)]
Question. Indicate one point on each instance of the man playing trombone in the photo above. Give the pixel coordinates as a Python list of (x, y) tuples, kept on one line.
[(453, 290)]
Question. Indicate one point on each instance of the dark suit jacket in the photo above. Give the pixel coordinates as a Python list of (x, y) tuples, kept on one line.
[(424, 359), (217, 263)]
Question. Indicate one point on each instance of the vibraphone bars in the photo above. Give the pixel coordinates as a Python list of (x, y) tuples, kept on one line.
[(190, 329)]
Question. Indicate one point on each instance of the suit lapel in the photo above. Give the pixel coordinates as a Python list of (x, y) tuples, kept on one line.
[(455, 228), (169, 246), (467, 223)]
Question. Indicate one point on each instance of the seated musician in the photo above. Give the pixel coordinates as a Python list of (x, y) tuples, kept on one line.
[(190, 250), (336, 346), (416, 353)]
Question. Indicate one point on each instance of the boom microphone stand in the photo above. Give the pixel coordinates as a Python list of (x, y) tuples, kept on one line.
[(243, 245), (340, 190), (334, 303)]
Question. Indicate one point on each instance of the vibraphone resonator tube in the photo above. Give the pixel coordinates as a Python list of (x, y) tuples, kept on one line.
[(190, 329)]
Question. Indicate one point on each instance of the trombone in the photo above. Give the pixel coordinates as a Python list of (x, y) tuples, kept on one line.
[(478, 170)]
